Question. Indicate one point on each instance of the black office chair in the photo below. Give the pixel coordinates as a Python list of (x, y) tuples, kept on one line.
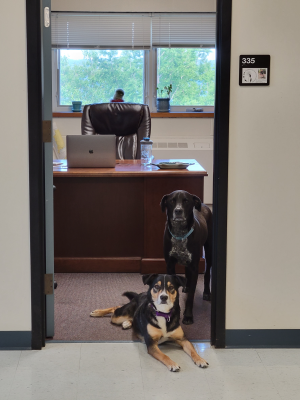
[(130, 123)]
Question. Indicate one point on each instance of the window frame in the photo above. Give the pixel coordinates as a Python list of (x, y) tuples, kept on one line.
[(149, 84)]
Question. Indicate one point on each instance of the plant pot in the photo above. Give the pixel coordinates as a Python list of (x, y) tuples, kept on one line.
[(163, 104)]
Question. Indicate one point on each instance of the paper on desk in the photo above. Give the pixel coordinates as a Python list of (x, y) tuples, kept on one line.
[(58, 143)]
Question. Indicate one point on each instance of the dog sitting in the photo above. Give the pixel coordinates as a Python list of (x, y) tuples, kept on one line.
[(155, 316), (188, 228)]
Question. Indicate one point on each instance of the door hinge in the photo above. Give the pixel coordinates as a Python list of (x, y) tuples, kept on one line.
[(48, 283), (47, 134)]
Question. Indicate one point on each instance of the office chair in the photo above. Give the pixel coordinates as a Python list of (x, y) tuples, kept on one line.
[(130, 122)]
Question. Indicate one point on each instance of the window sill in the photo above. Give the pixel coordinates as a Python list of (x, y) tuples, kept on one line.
[(153, 115)]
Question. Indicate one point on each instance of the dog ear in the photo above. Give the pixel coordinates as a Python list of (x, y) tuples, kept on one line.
[(149, 278), (181, 280), (163, 202), (197, 203)]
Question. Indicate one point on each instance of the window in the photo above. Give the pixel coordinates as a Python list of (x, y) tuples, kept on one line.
[(191, 72), (92, 75), (94, 54)]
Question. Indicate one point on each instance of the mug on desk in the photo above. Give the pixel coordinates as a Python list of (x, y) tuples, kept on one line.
[(76, 106)]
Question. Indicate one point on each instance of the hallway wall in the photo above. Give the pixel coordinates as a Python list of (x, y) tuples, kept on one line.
[(263, 271), (15, 295)]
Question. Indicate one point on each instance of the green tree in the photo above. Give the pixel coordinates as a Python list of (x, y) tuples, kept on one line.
[(191, 73), (95, 78)]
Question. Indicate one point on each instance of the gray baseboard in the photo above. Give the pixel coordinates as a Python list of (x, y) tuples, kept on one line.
[(15, 340), (266, 338)]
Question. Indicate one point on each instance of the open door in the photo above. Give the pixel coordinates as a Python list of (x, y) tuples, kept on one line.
[(48, 162)]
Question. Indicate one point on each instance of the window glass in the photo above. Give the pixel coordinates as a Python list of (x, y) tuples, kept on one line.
[(192, 75), (92, 76)]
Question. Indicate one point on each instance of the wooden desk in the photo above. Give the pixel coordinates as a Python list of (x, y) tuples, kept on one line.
[(110, 220)]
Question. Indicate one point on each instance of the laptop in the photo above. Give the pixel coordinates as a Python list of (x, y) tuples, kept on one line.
[(91, 151)]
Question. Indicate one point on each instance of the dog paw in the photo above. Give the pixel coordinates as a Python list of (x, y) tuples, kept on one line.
[(200, 362), (185, 289), (206, 296), (187, 320), (126, 324), (174, 367), (96, 313)]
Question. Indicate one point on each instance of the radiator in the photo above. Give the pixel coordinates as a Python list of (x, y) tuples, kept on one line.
[(198, 149)]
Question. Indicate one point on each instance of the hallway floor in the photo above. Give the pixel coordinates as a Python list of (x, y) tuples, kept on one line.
[(124, 371)]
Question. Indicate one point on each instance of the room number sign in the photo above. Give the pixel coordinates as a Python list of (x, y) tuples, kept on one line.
[(254, 70)]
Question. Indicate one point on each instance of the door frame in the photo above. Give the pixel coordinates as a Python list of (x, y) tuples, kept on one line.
[(36, 171), (220, 182)]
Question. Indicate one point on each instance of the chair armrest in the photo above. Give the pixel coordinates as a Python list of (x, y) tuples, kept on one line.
[(86, 125)]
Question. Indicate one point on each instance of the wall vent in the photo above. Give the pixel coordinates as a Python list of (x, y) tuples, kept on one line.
[(170, 145), (183, 145)]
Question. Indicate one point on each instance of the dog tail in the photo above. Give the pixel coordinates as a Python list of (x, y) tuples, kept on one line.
[(130, 295)]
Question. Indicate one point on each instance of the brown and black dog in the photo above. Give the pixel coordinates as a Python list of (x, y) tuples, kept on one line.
[(155, 317), (188, 228)]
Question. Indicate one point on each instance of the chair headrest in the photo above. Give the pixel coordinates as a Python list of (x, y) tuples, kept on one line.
[(120, 119)]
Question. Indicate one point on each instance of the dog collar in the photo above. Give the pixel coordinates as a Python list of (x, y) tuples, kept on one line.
[(181, 237), (167, 316)]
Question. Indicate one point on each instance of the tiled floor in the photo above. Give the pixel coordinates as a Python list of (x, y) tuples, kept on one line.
[(121, 371)]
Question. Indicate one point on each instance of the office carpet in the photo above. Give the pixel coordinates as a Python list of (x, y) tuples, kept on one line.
[(78, 294)]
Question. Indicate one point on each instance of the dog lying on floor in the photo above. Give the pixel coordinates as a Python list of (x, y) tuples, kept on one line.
[(188, 228), (154, 316)]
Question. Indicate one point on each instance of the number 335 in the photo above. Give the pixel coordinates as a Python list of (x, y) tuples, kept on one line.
[(248, 60)]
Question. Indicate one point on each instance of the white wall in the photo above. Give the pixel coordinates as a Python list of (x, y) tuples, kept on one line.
[(135, 5), (263, 271), (15, 298), (160, 127)]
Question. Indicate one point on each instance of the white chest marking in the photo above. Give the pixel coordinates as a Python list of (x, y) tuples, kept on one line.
[(163, 326), (180, 252)]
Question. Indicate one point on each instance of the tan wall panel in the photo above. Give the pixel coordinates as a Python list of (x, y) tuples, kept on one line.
[(263, 271), (15, 293)]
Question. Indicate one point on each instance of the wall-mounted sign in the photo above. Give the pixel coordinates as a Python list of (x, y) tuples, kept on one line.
[(254, 70)]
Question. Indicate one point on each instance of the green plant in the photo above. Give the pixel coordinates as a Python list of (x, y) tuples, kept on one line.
[(168, 89)]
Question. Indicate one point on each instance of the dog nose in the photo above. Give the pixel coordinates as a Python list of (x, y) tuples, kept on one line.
[(163, 297), (178, 211)]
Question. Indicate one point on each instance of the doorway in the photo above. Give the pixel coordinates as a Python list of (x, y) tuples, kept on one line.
[(37, 179)]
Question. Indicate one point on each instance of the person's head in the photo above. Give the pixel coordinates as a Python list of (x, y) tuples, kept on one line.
[(119, 94)]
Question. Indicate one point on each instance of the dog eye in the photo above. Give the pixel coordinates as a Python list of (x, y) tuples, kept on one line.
[(157, 287), (185, 200)]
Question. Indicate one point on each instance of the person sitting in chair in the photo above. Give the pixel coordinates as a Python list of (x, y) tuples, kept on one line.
[(118, 96)]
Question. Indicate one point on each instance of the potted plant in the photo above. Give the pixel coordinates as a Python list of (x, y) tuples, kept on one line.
[(163, 103)]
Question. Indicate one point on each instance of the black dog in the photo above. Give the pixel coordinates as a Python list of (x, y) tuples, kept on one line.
[(188, 227), (154, 316)]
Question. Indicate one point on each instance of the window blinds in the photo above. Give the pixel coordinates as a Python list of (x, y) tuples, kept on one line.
[(184, 30), (132, 30), (100, 31)]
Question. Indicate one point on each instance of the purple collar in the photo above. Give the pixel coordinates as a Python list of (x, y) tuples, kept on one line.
[(167, 316)]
